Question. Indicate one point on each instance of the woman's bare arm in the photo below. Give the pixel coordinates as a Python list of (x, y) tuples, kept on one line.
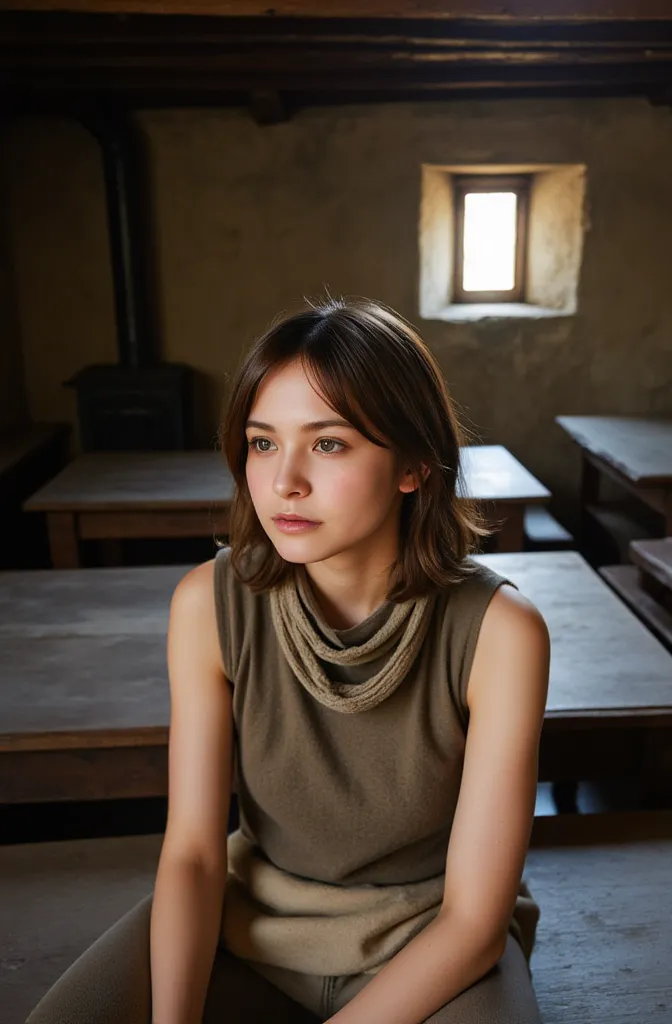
[(189, 890)]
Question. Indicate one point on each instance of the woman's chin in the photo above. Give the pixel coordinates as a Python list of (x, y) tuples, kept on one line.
[(296, 549)]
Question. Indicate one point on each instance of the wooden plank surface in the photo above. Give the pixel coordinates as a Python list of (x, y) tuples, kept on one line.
[(87, 602), (82, 684), (603, 659), (131, 481), (605, 932), (82, 652), (639, 448), (57, 898), (529, 10)]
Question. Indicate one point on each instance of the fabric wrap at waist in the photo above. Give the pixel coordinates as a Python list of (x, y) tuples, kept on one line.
[(274, 917), (315, 927)]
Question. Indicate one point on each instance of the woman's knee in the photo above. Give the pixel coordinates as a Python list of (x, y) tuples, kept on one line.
[(110, 983)]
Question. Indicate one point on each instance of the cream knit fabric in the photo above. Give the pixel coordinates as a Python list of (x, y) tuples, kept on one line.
[(302, 645)]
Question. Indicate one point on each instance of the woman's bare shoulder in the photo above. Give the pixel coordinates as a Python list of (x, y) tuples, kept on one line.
[(511, 609), (193, 610), (198, 583)]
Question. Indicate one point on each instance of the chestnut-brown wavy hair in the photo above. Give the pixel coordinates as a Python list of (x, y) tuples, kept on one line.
[(375, 371)]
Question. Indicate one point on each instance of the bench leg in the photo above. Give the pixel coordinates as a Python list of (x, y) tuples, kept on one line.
[(63, 541), (657, 772), (589, 494)]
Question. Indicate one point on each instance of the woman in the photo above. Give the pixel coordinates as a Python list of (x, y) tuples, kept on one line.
[(379, 697)]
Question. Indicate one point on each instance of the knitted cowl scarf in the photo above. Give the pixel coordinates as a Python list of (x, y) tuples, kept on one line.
[(401, 635)]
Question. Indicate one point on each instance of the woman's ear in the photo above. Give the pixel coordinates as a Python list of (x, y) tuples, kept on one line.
[(410, 480)]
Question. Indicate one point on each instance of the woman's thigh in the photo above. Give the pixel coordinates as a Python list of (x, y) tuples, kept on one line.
[(110, 983), (503, 996)]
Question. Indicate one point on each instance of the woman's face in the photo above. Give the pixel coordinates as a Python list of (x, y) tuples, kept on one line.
[(305, 460)]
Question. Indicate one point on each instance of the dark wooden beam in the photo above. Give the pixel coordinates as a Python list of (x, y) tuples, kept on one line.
[(254, 61), (498, 10)]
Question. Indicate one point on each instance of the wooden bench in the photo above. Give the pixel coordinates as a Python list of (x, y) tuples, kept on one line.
[(646, 585), (633, 452), (602, 882), (621, 527), (654, 560), (84, 700), (505, 489), (111, 496), (543, 532)]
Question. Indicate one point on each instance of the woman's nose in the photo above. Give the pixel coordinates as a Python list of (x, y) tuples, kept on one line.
[(290, 480)]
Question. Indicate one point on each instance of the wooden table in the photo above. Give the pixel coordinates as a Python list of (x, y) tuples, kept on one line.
[(105, 496), (84, 700), (118, 495), (609, 709), (634, 452)]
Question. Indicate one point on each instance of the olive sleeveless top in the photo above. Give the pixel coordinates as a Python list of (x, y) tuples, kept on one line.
[(339, 858)]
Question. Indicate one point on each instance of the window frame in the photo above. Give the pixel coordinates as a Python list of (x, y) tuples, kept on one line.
[(518, 183)]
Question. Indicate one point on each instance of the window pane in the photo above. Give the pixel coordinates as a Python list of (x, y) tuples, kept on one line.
[(489, 241)]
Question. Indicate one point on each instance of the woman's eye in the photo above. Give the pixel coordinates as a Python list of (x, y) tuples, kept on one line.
[(256, 441), (264, 445), (330, 440)]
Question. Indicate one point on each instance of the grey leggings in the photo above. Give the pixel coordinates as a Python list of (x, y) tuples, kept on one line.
[(110, 984)]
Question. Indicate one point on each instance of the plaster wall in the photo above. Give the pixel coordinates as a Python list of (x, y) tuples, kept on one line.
[(249, 219)]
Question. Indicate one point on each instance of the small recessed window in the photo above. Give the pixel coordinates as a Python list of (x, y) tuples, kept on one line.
[(490, 238)]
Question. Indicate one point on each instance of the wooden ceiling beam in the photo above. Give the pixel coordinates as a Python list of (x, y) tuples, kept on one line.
[(269, 60), (183, 32), (491, 10), (306, 62), (266, 88)]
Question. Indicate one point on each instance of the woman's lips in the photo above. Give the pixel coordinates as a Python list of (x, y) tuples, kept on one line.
[(295, 525)]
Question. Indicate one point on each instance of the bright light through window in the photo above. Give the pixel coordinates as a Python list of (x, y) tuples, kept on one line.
[(489, 241)]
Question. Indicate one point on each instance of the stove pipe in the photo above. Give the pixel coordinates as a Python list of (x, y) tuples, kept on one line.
[(138, 403), (126, 190)]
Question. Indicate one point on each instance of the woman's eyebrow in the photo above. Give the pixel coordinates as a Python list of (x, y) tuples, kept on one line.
[(305, 428)]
